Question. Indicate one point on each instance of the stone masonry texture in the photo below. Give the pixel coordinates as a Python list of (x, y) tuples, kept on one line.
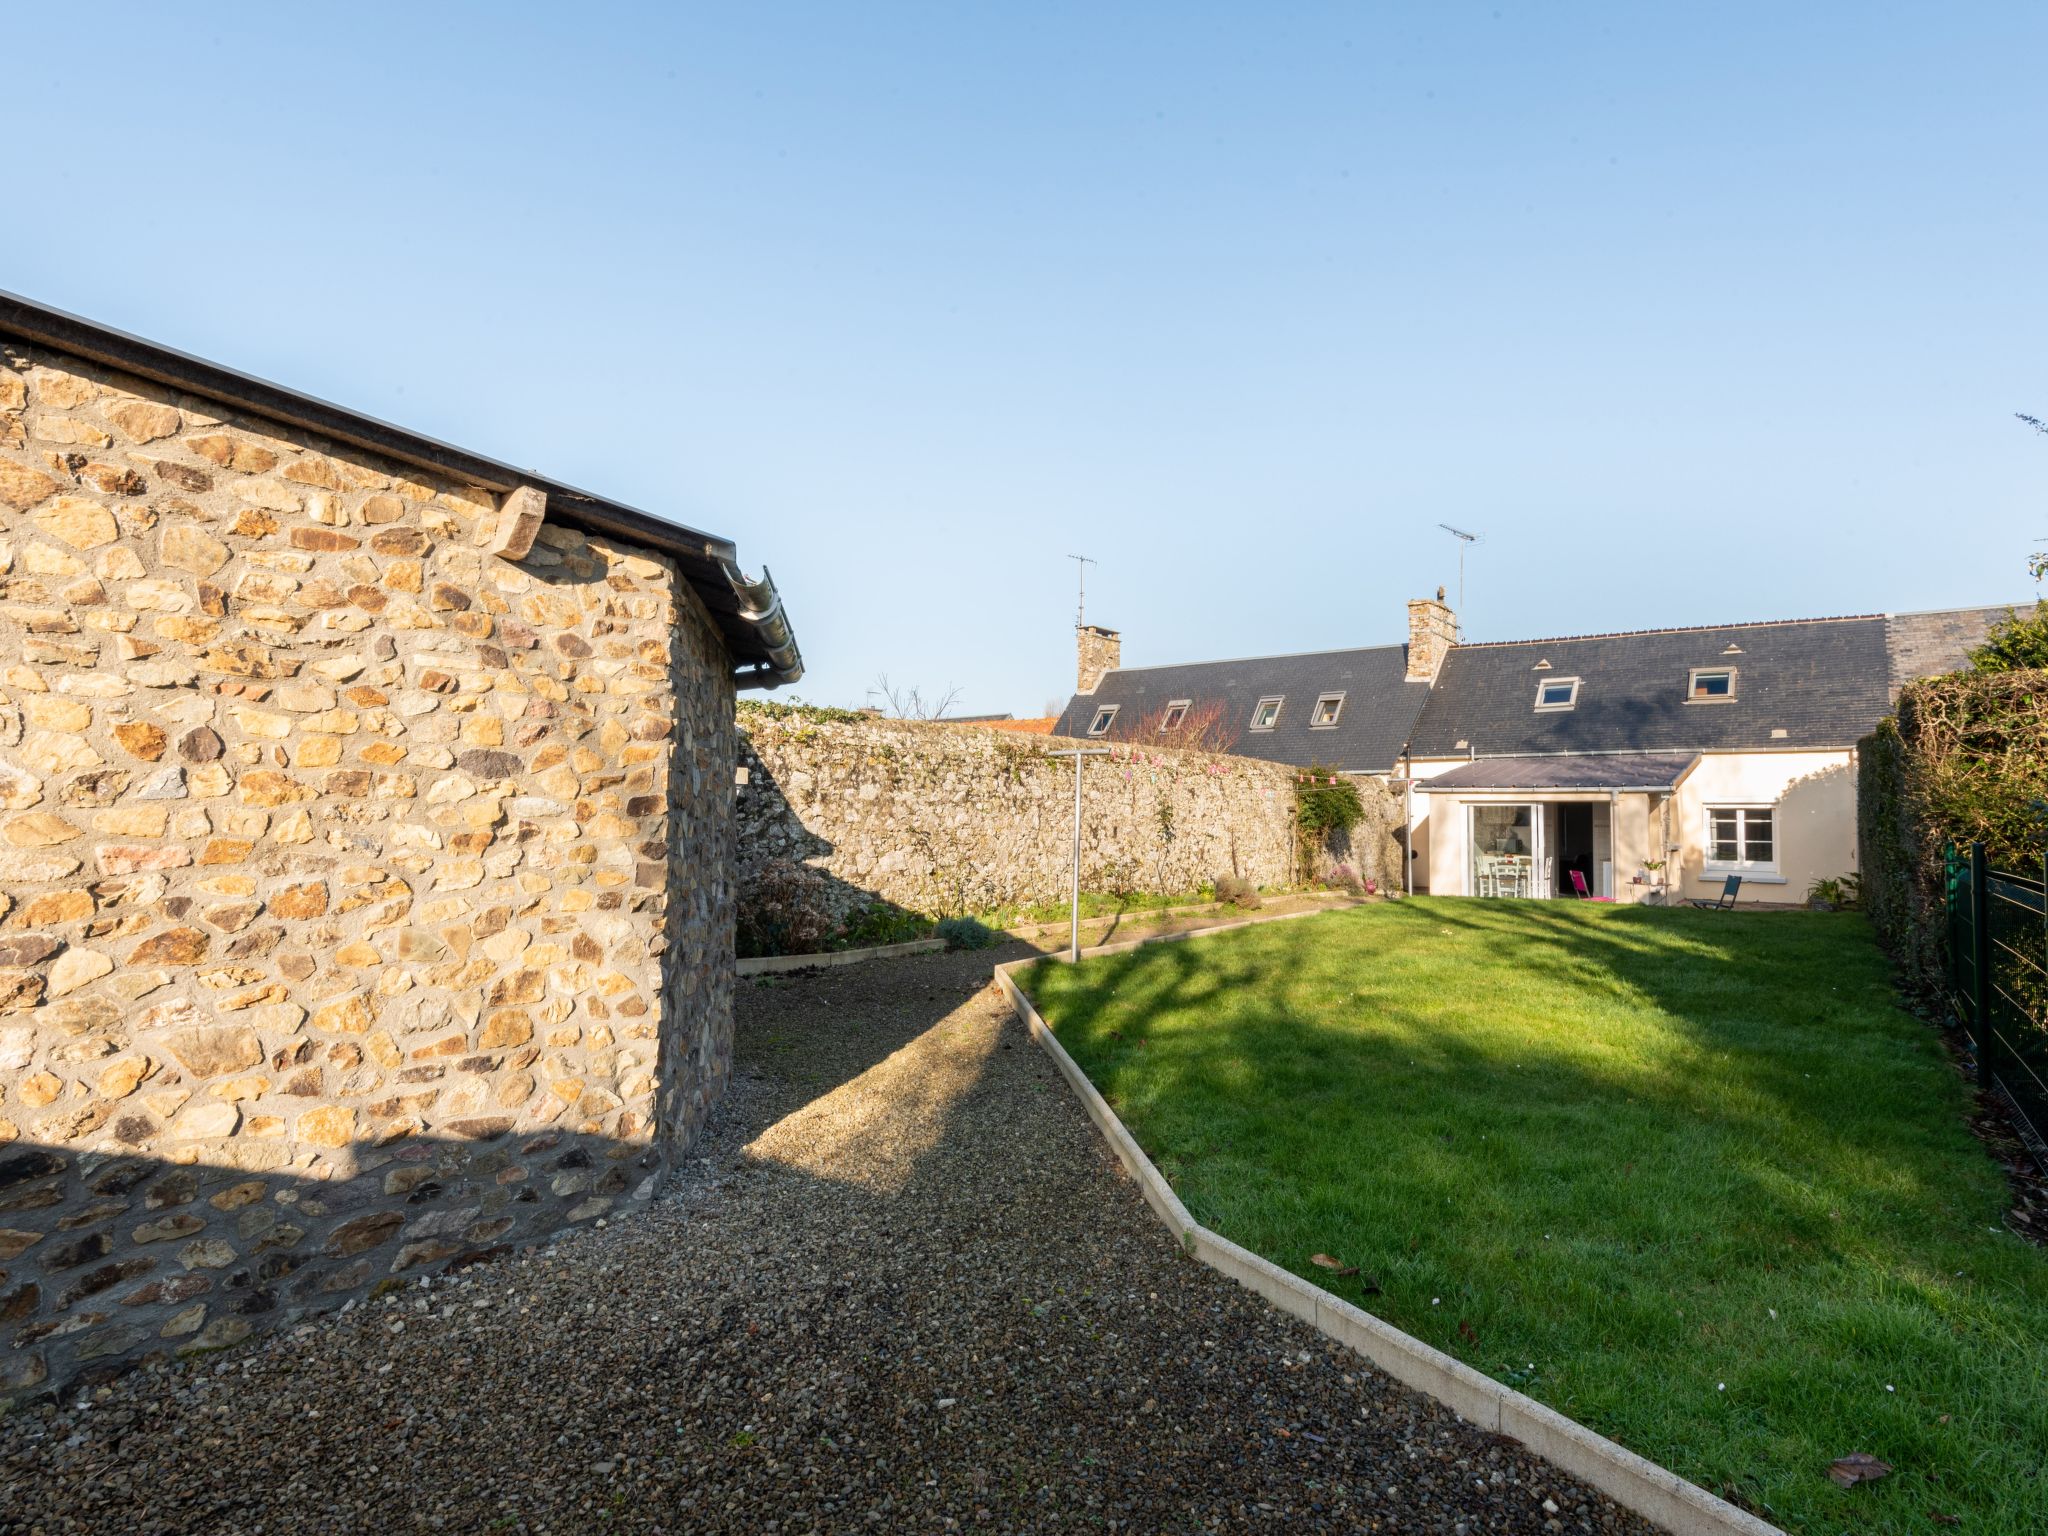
[(955, 818), (365, 900)]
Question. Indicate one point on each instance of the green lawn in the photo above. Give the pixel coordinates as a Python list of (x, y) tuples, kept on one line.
[(1689, 1177)]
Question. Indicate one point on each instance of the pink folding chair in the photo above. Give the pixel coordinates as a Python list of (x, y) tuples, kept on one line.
[(1579, 886)]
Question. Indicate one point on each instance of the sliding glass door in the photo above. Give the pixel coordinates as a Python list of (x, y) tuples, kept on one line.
[(1507, 851)]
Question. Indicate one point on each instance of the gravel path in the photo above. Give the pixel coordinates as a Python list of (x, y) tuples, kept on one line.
[(904, 1289)]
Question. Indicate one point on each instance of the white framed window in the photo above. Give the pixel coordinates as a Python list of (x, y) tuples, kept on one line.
[(1556, 693), (1266, 713), (1328, 707), (1176, 711), (1742, 839), (1710, 685), (1099, 726)]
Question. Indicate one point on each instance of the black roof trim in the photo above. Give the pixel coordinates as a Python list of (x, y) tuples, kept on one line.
[(708, 562)]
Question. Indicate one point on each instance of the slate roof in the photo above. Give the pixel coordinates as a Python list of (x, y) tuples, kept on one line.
[(1379, 711), (1603, 771), (1929, 644), (1823, 682)]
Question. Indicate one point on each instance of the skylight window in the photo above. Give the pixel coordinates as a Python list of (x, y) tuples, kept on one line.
[(1328, 707), (1176, 712), (1557, 693), (1267, 712), (1099, 726), (1710, 684)]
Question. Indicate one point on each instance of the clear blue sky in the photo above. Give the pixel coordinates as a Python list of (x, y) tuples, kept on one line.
[(1698, 314)]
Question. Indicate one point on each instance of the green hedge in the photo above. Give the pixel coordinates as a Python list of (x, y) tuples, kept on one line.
[(1963, 758)]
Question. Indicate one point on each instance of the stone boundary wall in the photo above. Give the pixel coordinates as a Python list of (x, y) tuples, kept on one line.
[(945, 818), (366, 897)]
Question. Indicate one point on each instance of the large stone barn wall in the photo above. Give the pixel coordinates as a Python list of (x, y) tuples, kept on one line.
[(366, 896)]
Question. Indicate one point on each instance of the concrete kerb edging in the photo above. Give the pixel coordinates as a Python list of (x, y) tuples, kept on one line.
[(1635, 1483), (762, 965)]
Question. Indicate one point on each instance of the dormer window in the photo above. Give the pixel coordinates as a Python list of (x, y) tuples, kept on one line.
[(1099, 726), (1554, 694), (1710, 685), (1266, 713), (1328, 707), (1176, 712)]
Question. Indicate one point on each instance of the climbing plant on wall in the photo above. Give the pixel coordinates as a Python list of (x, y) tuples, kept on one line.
[(1326, 801)]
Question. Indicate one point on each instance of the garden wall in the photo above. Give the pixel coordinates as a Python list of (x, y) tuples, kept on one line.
[(366, 896), (946, 819), (1964, 758)]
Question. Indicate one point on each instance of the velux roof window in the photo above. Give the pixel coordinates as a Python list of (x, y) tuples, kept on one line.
[(1328, 707), (1557, 693), (1710, 684), (1267, 712), (1099, 726), (1176, 712)]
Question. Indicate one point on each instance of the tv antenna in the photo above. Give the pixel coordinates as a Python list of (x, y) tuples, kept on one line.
[(1465, 540), (1081, 603)]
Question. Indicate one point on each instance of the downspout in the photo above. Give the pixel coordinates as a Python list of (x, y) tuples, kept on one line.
[(1613, 840), (761, 608)]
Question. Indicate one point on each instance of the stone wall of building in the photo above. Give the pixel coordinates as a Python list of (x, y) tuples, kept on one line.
[(364, 898), (944, 819)]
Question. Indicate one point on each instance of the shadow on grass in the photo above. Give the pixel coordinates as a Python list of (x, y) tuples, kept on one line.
[(1688, 1176)]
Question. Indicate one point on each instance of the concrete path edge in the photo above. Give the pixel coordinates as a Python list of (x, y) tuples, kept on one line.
[(1632, 1481)]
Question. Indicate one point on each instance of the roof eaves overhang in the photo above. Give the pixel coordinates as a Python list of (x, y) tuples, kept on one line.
[(1669, 786), (748, 612)]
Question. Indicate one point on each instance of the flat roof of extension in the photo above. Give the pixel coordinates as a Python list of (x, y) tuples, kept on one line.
[(748, 613)]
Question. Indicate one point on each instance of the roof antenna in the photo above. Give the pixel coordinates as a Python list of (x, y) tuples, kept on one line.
[(1081, 605), (1464, 539)]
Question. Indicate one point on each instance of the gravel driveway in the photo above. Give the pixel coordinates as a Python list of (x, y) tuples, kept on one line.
[(905, 1289)]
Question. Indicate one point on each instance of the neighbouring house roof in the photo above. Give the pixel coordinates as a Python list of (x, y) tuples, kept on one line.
[(1929, 644), (1036, 725), (1799, 683), (1379, 707), (1599, 773), (748, 612)]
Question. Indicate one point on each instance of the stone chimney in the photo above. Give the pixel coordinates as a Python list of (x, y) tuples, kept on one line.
[(1432, 631), (1096, 651)]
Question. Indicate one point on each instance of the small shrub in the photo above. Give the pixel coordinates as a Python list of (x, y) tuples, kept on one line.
[(1345, 878), (967, 933), (1234, 892), (784, 911), (1834, 893), (882, 922)]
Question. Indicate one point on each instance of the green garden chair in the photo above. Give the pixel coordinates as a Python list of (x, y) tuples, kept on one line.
[(1723, 902)]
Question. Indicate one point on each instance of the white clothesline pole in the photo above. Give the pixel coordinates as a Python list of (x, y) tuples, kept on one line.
[(1074, 910)]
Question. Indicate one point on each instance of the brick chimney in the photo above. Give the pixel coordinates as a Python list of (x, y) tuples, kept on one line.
[(1432, 631), (1096, 651)]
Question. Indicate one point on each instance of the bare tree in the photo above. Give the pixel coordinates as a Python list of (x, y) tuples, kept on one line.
[(1203, 726), (910, 703)]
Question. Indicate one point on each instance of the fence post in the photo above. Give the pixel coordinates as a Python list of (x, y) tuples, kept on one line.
[(1980, 969)]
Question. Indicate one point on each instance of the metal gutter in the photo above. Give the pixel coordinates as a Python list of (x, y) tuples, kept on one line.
[(749, 613), (761, 606)]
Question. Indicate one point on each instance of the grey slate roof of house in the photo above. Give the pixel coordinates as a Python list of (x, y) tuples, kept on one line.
[(1929, 644), (1604, 771), (1379, 709), (1823, 682)]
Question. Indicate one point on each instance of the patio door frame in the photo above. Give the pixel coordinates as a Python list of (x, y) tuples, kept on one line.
[(1539, 873)]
